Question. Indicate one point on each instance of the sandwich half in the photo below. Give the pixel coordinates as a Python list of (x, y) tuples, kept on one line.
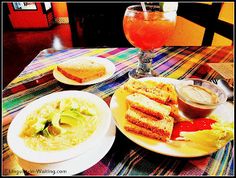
[(82, 71), (146, 125), (148, 106), (158, 91)]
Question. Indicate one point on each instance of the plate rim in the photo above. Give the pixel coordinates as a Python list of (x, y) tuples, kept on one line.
[(108, 140), (56, 73)]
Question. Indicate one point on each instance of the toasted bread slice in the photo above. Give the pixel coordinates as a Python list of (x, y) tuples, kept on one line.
[(148, 106), (82, 71), (144, 132), (154, 93), (161, 127), (175, 113), (169, 88)]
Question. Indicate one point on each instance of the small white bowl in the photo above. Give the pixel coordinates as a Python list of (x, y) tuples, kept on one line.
[(18, 147), (198, 108)]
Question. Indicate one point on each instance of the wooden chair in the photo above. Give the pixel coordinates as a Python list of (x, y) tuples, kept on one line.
[(206, 16)]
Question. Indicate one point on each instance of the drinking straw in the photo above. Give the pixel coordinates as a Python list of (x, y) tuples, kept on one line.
[(144, 10)]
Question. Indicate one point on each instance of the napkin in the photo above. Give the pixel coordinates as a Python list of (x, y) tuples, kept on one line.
[(226, 70)]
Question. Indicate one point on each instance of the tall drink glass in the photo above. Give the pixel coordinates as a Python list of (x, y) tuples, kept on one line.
[(147, 30)]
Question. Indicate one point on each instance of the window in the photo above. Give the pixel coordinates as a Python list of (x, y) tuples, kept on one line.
[(24, 5), (47, 5)]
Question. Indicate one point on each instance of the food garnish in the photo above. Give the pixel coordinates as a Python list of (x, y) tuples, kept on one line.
[(216, 137)]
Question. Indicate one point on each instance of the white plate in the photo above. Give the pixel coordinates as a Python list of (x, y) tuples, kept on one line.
[(172, 148), (110, 70), (17, 145), (75, 165)]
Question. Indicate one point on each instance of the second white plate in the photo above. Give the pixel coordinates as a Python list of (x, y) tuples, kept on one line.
[(110, 70)]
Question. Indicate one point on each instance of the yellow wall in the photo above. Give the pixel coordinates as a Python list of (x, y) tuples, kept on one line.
[(60, 12), (227, 15), (227, 12), (219, 40), (60, 9), (209, 3), (188, 33)]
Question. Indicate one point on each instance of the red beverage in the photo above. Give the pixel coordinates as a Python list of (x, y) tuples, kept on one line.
[(147, 28), (150, 31)]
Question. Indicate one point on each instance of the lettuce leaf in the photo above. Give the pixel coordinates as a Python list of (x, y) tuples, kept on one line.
[(220, 134)]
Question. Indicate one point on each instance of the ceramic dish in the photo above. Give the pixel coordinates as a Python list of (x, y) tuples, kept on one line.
[(174, 148), (75, 165), (18, 146), (110, 70)]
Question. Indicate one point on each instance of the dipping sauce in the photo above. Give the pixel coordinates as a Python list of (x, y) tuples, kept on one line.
[(187, 126), (199, 94), (196, 101)]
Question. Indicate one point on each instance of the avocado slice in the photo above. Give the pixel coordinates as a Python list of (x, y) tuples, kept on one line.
[(56, 122), (37, 127), (46, 133), (73, 113), (69, 120), (88, 111), (71, 117)]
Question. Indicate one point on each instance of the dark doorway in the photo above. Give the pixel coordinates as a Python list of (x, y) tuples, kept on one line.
[(97, 24), (6, 21)]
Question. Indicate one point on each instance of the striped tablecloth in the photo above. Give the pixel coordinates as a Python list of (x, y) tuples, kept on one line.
[(36, 80)]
